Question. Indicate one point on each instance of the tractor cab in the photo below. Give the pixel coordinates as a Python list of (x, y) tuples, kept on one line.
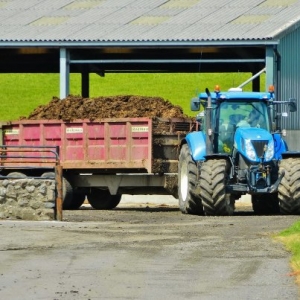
[(233, 110), (238, 113)]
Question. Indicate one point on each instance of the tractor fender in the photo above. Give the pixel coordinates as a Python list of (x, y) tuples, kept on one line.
[(196, 143), (289, 154), (280, 146)]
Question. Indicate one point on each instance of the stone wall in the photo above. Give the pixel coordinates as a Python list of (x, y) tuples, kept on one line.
[(27, 199)]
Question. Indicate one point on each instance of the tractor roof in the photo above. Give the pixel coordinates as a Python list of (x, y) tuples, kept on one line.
[(239, 96)]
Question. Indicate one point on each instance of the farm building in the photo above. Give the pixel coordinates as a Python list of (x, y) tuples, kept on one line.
[(100, 36)]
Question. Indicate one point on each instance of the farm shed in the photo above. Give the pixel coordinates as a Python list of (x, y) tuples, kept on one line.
[(100, 36)]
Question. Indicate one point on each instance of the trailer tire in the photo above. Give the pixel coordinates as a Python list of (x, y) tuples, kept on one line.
[(289, 187), (102, 199), (78, 199), (213, 181), (67, 189), (17, 175), (265, 204), (188, 191)]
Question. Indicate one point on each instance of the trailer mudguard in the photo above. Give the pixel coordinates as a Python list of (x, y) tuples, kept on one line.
[(196, 143), (280, 146)]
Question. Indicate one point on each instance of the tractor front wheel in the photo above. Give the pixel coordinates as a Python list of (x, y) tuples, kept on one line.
[(214, 175)]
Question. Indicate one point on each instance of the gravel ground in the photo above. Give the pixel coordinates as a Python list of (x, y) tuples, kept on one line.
[(146, 249)]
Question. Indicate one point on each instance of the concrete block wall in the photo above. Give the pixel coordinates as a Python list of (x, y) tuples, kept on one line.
[(27, 199)]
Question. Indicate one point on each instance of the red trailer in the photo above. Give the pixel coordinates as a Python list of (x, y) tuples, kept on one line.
[(100, 159)]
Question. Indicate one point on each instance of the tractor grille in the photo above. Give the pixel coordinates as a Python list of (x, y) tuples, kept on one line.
[(259, 147)]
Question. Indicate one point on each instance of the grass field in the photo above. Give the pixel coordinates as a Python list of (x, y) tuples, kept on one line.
[(22, 93)]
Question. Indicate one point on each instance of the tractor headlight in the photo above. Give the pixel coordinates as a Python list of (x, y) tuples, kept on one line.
[(270, 151), (250, 152)]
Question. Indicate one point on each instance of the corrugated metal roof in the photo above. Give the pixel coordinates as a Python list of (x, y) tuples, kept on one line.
[(101, 21)]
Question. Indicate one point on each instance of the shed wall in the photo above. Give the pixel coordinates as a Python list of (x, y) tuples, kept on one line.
[(290, 87), (292, 139), (289, 49)]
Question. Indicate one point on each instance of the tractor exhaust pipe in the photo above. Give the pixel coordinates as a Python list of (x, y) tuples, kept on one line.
[(209, 132)]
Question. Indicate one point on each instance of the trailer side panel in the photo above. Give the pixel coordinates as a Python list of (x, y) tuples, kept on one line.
[(85, 144)]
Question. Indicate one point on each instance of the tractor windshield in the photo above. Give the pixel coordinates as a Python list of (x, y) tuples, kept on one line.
[(234, 114)]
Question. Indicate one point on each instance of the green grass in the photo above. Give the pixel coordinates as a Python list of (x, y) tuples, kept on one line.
[(22, 93), (292, 236), (291, 239)]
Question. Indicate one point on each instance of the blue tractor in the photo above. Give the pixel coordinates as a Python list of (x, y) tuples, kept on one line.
[(238, 150)]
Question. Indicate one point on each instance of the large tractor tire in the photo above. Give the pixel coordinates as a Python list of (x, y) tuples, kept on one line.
[(102, 199), (289, 187), (214, 176), (66, 187), (188, 193), (265, 204)]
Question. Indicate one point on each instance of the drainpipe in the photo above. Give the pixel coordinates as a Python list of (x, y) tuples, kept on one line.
[(278, 84)]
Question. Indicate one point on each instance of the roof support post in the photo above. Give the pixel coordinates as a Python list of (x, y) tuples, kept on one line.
[(85, 82), (256, 84), (64, 69), (270, 66)]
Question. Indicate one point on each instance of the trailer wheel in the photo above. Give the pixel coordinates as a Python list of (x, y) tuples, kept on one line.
[(265, 204), (67, 190), (289, 187), (78, 199), (17, 175), (213, 181), (102, 199), (188, 193)]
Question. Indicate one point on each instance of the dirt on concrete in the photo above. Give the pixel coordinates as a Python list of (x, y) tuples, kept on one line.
[(123, 106), (146, 250)]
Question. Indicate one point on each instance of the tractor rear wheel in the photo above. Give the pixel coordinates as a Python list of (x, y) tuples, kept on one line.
[(102, 199), (289, 187), (188, 193), (213, 180), (265, 204)]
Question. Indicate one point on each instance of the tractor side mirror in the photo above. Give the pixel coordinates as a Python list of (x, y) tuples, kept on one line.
[(292, 105), (195, 104)]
